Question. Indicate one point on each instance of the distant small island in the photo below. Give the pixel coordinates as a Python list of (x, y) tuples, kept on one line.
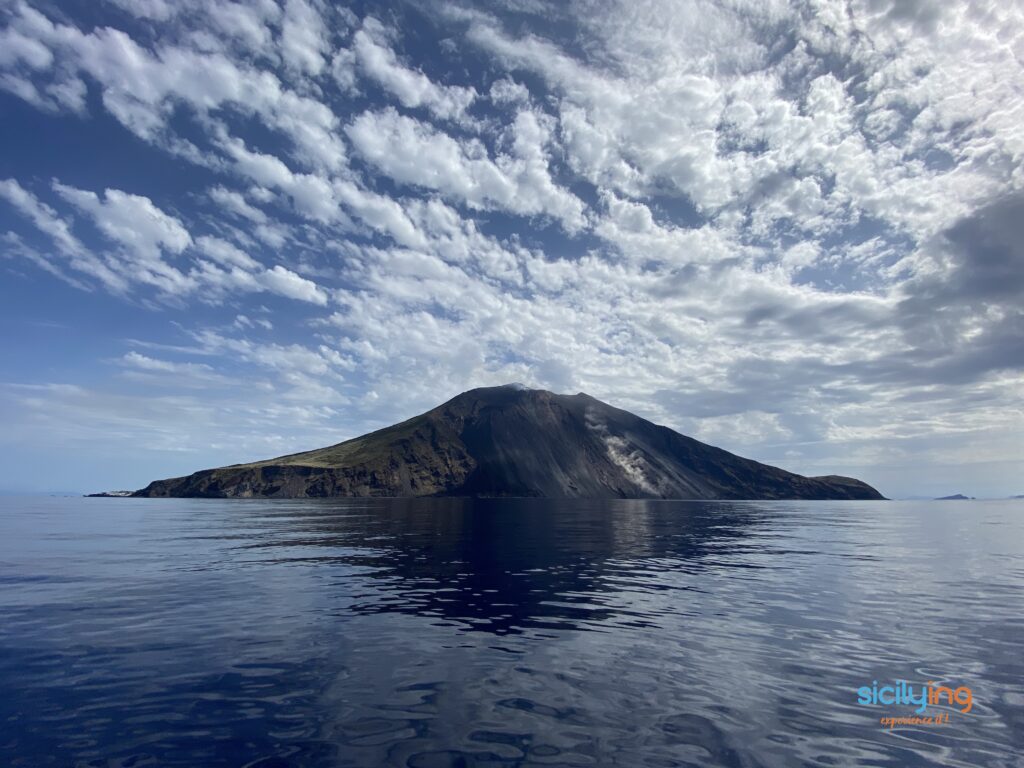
[(515, 442), (110, 495), (955, 497)]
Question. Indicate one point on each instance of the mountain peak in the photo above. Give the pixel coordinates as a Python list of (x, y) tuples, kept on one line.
[(497, 389)]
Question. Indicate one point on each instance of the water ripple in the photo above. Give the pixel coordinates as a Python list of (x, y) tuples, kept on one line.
[(504, 633)]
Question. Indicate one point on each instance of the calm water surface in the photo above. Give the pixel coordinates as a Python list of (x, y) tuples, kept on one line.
[(504, 633)]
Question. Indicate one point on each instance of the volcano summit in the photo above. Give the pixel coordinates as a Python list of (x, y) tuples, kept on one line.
[(514, 441)]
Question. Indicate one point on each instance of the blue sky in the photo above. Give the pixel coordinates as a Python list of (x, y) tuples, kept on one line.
[(232, 230)]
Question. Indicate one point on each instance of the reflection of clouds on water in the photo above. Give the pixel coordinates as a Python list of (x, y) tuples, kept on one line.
[(631, 531)]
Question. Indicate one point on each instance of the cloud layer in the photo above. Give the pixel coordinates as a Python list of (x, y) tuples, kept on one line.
[(790, 229)]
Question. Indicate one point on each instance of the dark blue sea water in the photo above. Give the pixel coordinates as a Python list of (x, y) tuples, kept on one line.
[(505, 633)]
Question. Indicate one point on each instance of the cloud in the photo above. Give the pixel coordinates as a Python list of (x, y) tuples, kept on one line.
[(321, 199), (963, 310), (413, 88), (158, 10), (141, 88), (653, 111), (287, 283), (508, 92), (144, 232), (16, 48), (243, 322), (154, 372), (807, 252), (40, 214), (136, 360), (225, 253), (979, 261), (249, 25), (146, 237), (380, 212), (235, 203), (15, 247), (237, 271), (290, 360), (131, 220), (412, 152), (304, 38), (46, 220), (622, 135)]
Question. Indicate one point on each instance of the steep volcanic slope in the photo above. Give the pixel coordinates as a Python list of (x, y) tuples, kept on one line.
[(512, 441)]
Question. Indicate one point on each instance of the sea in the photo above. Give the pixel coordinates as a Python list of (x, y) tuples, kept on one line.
[(445, 632)]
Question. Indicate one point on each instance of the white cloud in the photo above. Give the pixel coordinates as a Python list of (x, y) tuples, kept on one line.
[(413, 152), (287, 359), (142, 362), (508, 92), (40, 214), (16, 48), (141, 87), (624, 134), (413, 88), (144, 232), (131, 220), (379, 211), (248, 23), (343, 69), (225, 253), (244, 321), (321, 199), (673, 89), (236, 203), (287, 283), (751, 223), (146, 236), (158, 10), (309, 193), (303, 37), (47, 221)]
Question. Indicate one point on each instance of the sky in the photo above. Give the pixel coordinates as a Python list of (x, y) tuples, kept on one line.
[(234, 230)]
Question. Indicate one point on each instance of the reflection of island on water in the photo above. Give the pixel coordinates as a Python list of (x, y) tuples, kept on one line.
[(505, 565)]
